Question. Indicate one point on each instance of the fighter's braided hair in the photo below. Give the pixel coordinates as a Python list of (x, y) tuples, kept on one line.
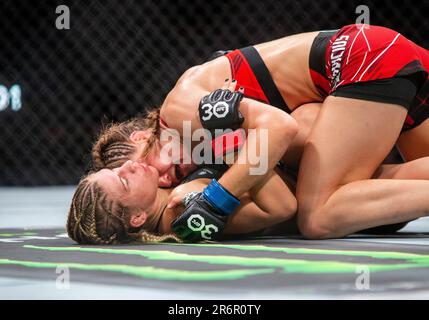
[(94, 219), (113, 146)]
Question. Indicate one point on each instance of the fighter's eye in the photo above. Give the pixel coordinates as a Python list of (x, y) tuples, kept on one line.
[(125, 182)]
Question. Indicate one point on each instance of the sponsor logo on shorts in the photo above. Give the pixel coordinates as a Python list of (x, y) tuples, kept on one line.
[(337, 53)]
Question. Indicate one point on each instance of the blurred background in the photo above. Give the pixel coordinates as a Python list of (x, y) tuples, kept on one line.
[(57, 87)]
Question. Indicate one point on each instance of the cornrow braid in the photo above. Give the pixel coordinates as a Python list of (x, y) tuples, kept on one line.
[(113, 146), (93, 219), (150, 237)]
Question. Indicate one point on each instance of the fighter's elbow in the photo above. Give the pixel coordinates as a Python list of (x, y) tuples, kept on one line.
[(286, 210), (285, 127), (290, 208), (291, 127)]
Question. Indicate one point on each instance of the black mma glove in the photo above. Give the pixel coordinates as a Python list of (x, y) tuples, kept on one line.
[(219, 110), (205, 214), (199, 221)]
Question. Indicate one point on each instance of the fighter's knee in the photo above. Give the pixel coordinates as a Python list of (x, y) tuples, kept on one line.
[(306, 116), (312, 227)]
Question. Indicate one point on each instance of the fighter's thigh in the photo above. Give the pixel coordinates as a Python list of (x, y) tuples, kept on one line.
[(414, 144), (305, 116), (349, 140), (413, 170)]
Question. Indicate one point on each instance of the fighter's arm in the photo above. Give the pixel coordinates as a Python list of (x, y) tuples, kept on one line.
[(269, 202), (266, 122)]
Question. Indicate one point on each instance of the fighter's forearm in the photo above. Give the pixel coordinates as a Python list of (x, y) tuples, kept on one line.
[(269, 202), (273, 196), (270, 143)]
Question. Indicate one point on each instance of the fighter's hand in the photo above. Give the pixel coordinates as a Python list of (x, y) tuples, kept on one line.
[(174, 202), (178, 197), (205, 213), (199, 221)]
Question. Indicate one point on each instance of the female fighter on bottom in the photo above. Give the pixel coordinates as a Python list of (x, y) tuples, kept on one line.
[(125, 204), (373, 84)]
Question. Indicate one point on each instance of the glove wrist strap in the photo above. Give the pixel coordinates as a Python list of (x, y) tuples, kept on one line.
[(220, 198)]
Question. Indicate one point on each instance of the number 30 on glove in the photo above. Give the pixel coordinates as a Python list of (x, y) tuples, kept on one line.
[(220, 110), (206, 213)]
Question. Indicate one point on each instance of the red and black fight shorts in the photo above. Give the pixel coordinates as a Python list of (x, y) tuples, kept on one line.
[(372, 63), (252, 75)]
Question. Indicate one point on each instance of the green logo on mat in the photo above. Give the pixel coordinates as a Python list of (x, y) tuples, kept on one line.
[(240, 266)]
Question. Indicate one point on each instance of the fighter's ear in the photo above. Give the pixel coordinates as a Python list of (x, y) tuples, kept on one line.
[(138, 220), (140, 135)]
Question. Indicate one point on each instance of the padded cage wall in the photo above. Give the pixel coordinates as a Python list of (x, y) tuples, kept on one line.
[(119, 57)]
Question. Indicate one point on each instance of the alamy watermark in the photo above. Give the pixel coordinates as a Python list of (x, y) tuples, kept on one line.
[(364, 15), (363, 280), (63, 280), (63, 20)]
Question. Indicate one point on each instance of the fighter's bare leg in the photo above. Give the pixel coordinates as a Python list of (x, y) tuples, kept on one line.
[(305, 116), (336, 196), (414, 144), (416, 170)]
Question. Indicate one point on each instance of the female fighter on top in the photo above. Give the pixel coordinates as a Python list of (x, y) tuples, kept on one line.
[(363, 76)]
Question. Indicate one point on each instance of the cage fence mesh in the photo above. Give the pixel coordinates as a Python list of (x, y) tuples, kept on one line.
[(57, 87)]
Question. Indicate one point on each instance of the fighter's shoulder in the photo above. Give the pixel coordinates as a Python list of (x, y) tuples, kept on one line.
[(190, 77), (182, 101), (187, 88)]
